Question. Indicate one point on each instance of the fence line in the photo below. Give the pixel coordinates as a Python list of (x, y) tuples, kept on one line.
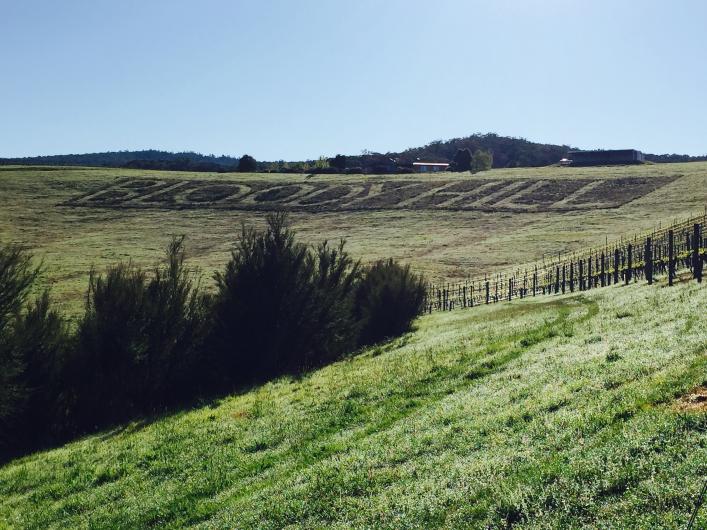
[(665, 250)]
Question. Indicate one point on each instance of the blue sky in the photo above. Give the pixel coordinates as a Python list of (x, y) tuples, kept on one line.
[(299, 79)]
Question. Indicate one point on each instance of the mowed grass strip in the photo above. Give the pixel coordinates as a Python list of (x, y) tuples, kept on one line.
[(548, 413)]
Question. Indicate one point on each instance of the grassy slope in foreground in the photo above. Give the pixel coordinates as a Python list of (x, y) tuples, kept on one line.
[(556, 412)]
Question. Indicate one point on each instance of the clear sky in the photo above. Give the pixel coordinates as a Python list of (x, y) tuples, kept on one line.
[(296, 79)]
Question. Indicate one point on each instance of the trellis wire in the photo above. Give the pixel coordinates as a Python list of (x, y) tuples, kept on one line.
[(663, 251)]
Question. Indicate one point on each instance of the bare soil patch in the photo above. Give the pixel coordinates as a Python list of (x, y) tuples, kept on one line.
[(693, 401)]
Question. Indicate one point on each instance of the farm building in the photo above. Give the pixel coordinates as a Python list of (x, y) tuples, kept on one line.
[(429, 167), (607, 157)]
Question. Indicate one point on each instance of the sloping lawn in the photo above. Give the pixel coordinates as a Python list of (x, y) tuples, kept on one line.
[(559, 412)]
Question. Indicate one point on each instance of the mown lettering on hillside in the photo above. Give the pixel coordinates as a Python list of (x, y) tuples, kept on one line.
[(477, 194)]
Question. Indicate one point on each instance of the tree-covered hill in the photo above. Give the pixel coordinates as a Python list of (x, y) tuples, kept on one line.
[(144, 159), (507, 152)]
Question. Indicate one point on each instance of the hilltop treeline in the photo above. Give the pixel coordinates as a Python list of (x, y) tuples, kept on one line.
[(123, 158), (153, 339), (674, 158), (506, 152)]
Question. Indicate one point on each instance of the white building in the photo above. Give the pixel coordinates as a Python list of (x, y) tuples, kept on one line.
[(429, 167)]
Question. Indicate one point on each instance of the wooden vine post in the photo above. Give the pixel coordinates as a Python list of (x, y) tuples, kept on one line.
[(671, 257), (616, 265), (648, 261), (564, 273), (510, 288), (696, 258), (535, 280), (571, 277)]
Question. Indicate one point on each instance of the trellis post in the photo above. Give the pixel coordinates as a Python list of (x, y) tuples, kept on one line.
[(616, 265), (571, 276), (648, 261), (696, 258), (671, 257)]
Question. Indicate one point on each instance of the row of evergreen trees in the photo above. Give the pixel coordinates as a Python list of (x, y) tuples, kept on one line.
[(246, 164), (151, 340)]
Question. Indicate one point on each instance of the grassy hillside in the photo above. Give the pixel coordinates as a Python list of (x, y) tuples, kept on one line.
[(571, 411), (446, 244)]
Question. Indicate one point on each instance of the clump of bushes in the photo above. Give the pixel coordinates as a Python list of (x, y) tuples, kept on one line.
[(281, 306), (388, 298), (139, 343), (155, 339), (33, 345)]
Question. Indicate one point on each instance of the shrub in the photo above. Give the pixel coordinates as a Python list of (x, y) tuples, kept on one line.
[(338, 162), (138, 342), (247, 164), (39, 344), (16, 279), (387, 300), (332, 318), (32, 348), (142, 344), (17, 275), (280, 306), (461, 161), (481, 161)]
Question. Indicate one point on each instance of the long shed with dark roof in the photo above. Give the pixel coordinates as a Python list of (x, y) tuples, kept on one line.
[(605, 157)]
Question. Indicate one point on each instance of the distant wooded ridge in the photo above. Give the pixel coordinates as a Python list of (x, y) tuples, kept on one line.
[(508, 152)]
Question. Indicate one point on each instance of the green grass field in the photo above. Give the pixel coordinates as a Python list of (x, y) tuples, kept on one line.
[(573, 411), (445, 244), (564, 412)]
